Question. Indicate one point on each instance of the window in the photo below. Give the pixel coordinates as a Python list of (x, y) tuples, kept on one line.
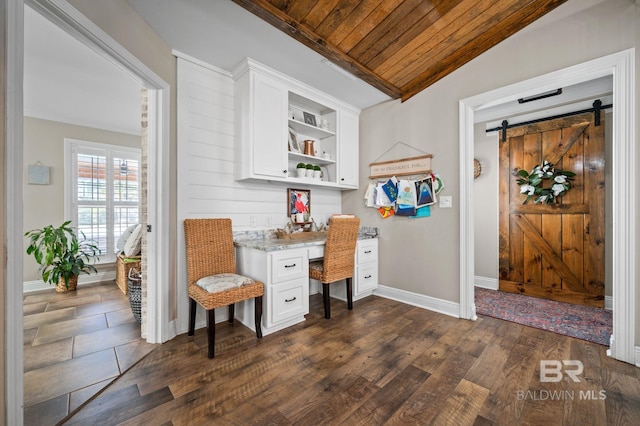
[(102, 191)]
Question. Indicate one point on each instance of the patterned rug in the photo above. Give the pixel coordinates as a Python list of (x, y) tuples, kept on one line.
[(582, 322)]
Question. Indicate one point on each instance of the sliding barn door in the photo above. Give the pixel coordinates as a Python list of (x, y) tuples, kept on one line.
[(554, 251)]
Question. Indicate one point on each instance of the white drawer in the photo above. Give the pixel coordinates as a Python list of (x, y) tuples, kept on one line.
[(288, 265), (367, 278), (290, 299), (367, 251), (316, 252)]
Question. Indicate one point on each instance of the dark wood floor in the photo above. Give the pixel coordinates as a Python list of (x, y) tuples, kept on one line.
[(75, 344), (382, 363)]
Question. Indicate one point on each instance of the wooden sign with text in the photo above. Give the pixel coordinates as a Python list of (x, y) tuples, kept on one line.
[(402, 167)]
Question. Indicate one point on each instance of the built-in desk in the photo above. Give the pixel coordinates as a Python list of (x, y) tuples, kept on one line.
[(283, 266)]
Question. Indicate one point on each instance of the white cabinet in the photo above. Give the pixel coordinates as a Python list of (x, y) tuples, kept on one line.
[(285, 274), (261, 136), (348, 131), (275, 114), (365, 278)]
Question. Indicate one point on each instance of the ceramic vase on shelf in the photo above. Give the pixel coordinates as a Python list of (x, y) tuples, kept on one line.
[(317, 174)]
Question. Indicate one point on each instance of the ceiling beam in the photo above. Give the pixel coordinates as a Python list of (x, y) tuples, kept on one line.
[(269, 13)]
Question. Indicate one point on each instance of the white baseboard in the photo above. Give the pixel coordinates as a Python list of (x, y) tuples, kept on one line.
[(484, 282), (608, 303), (431, 303), (492, 284), (637, 356), (39, 285)]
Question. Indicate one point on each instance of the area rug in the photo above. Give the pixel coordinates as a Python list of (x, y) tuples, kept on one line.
[(582, 322)]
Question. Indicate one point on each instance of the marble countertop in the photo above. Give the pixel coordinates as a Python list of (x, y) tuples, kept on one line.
[(272, 244)]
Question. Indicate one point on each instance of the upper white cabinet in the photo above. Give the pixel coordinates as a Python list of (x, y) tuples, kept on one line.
[(261, 136), (275, 115)]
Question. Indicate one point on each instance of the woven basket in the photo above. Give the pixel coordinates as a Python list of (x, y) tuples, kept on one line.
[(122, 270), (61, 287), (135, 293)]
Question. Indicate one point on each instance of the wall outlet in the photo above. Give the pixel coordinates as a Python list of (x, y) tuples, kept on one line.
[(445, 202)]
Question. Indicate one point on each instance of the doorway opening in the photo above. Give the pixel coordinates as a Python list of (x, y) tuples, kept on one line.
[(622, 67), (159, 326)]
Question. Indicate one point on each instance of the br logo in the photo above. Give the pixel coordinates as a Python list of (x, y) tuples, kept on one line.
[(551, 370)]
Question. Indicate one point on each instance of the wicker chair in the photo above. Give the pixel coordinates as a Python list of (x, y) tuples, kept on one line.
[(338, 259), (211, 262)]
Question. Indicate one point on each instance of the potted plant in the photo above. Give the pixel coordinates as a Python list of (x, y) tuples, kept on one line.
[(309, 170), (301, 169), (317, 172), (61, 256)]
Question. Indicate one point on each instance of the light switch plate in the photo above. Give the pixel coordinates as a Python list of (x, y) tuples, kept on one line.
[(445, 202)]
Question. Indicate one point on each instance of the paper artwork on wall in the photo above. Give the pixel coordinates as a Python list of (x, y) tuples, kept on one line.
[(404, 197), (37, 174)]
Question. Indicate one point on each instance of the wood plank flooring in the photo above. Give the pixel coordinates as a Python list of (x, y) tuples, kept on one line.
[(382, 363), (75, 344)]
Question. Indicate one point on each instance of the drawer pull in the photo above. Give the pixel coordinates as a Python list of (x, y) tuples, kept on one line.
[(289, 266), (290, 300), (367, 251), (367, 277)]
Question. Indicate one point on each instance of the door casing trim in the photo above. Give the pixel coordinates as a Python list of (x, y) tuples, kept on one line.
[(621, 66), (159, 328)]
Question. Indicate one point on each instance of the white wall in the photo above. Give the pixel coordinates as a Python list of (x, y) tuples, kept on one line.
[(485, 193), (422, 255)]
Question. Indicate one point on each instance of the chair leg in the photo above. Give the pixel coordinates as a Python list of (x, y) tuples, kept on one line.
[(258, 315), (211, 331), (349, 294), (192, 317), (232, 310), (326, 300)]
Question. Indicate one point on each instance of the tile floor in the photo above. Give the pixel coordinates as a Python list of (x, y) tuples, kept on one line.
[(75, 344)]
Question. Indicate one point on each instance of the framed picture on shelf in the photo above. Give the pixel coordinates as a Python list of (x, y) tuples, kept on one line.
[(301, 147), (309, 118), (293, 141), (299, 201)]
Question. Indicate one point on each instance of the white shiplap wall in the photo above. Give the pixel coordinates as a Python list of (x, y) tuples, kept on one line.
[(206, 184)]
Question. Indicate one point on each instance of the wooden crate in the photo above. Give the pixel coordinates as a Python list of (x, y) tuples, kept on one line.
[(122, 270)]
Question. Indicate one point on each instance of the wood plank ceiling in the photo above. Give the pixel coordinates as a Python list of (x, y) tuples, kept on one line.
[(400, 47)]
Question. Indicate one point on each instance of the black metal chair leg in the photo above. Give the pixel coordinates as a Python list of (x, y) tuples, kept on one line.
[(211, 332), (326, 300), (349, 294), (232, 310), (192, 317), (258, 315)]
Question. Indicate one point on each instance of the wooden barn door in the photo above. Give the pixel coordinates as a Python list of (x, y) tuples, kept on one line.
[(554, 251)]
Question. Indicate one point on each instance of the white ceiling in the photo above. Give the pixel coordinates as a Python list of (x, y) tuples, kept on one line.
[(66, 81)]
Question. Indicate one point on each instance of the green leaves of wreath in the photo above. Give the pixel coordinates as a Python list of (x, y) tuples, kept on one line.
[(531, 183)]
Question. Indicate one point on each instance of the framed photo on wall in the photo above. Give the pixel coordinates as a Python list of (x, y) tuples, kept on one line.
[(299, 201)]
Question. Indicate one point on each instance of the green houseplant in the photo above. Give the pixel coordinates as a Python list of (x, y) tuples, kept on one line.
[(309, 170), (61, 256), (301, 169)]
